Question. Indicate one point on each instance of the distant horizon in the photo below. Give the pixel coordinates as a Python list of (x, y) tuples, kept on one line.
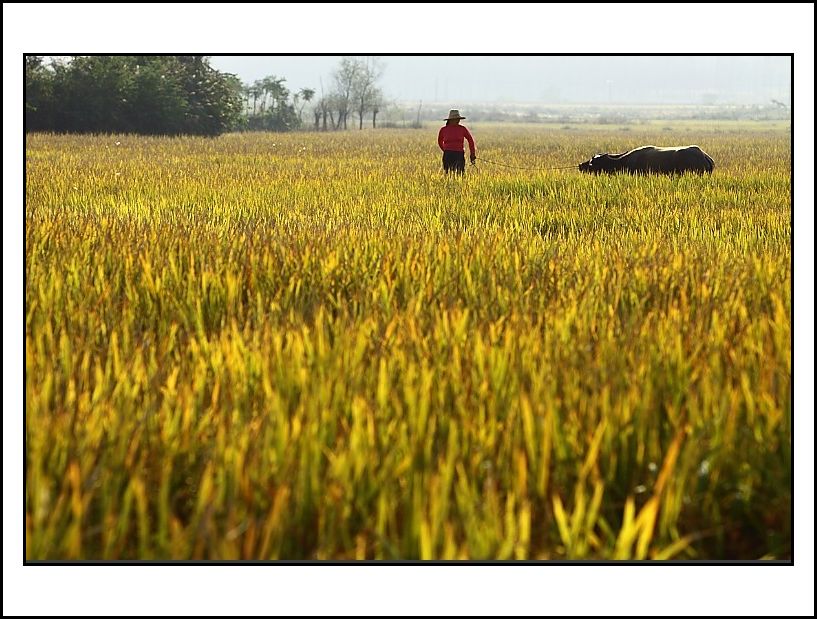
[(588, 104), (540, 79)]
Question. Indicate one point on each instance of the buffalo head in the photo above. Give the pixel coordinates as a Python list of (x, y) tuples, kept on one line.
[(597, 164)]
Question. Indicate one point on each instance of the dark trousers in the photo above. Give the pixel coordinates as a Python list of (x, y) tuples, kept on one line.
[(454, 161)]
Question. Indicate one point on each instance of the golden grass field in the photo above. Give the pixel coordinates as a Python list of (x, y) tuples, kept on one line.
[(316, 346)]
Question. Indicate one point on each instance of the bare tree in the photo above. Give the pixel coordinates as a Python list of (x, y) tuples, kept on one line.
[(321, 111), (321, 108), (336, 103), (377, 103), (365, 92), (354, 87), (346, 77)]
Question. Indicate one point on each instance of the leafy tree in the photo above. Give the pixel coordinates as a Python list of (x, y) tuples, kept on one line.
[(304, 96), (141, 94), (276, 112), (90, 95), (214, 101), (158, 102), (38, 94)]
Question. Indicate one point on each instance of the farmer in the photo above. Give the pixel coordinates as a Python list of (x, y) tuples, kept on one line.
[(451, 139)]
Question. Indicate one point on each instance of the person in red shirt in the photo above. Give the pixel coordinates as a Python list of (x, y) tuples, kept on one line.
[(451, 139)]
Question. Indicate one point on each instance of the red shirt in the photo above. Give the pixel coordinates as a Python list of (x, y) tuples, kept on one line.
[(451, 138)]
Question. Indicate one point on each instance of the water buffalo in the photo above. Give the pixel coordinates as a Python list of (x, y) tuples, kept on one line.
[(652, 160)]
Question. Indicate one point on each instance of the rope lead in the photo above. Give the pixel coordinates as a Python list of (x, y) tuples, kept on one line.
[(568, 167)]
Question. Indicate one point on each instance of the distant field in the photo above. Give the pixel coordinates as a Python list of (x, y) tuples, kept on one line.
[(663, 130), (678, 128), (316, 346)]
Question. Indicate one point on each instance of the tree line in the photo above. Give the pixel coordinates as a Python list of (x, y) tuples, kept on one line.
[(175, 95), (353, 92), (167, 95)]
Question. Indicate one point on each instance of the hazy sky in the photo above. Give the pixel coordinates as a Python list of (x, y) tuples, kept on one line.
[(553, 79)]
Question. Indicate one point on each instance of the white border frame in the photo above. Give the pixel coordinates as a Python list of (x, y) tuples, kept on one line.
[(388, 28)]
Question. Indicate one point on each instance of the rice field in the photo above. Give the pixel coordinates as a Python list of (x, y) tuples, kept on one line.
[(316, 346)]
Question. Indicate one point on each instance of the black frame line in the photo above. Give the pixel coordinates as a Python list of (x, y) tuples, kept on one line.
[(284, 562)]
